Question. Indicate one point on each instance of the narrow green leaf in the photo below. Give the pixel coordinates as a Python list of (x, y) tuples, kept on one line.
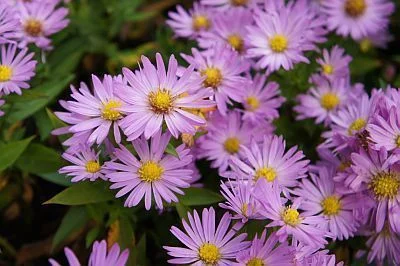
[(43, 124), (92, 235), (11, 151), (182, 210), (171, 150), (199, 196), (56, 178)]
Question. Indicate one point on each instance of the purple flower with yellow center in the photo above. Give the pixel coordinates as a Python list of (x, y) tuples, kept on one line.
[(189, 24), (100, 255), (206, 243), (152, 174), (386, 132), (357, 18), (220, 70), (334, 64), (266, 251), (155, 95), (290, 221), (86, 165), (16, 69), (38, 21), (261, 100), (223, 5), (8, 23), (270, 161), (229, 29)]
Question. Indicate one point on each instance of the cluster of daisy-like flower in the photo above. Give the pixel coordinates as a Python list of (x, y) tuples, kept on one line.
[(23, 23), (221, 108)]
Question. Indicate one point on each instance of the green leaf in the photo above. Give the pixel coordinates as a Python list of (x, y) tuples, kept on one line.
[(171, 150), (83, 193), (73, 220), (43, 124), (57, 123), (139, 252), (182, 210), (91, 236), (199, 196), (56, 178), (11, 151)]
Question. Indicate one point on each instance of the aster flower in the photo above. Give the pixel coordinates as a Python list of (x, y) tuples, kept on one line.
[(152, 175), (377, 40), (266, 251), (222, 5), (98, 256), (86, 165), (334, 64), (261, 100), (321, 197), (290, 221), (386, 132), (229, 29), (269, 161), (8, 23), (319, 258), (206, 244), (155, 95), (96, 113), (38, 21), (16, 69), (357, 18), (220, 71), (190, 24)]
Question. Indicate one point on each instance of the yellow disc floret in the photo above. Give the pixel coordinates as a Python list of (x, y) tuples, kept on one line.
[(385, 185), (239, 2), (397, 141), (327, 69), (213, 77), (201, 23), (355, 8), (92, 166), (253, 103), (209, 254), (110, 110), (33, 27), (236, 42), (331, 205), (267, 173), (290, 216), (255, 262), (357, 125), (150, 171), (5, 73), (161, 101), (278, 43), (232, 145), (329, 101)]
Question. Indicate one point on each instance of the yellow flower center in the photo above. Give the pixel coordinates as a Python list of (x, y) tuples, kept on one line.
[(255, 262), (329, 101), (239, 2), (331, 205), (201, 23), (327, 69), (161, 101), (5, 73), (244, 209), (290, 216), (355, 8), (150, 171), (357, 125), (213, 77), (344, 165), (253, 103), (209, 254), (33, 27), (92, 167), (385, 185), (266, 172), (109, 111), (365, 45), (398, 141), (278, 43), (236, 42), (232, 145)]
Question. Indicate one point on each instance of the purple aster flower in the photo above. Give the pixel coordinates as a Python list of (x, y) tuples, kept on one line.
[(153, 174), (386, 132), (98, 256), (379, 40), (266, 251), (155, 95), (334, 64), (322, 198), (220, 71), (261, 100), (222, 5), (269, 161), (357, 18), (8, 23), (190, 24), (101, 110), (206, 244), (16, 69), (229, 28), (318, 259), (86, 165)]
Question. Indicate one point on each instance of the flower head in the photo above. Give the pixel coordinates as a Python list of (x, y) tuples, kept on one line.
[(334, 65), (8, 23), (223, 5), (386, 132)]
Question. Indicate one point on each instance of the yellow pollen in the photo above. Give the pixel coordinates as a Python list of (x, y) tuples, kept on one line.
[(150, 171), (331, 205), (236, 42), (398, 141), (278, 43), (5, 73), (161, 101), (290, 216), (92, 167), (327, 69), (266, 172), (109, 111), (213, 77), (232, 145), (253, 103), (239, 2), (255, 262), (355, 8), (244, 209), (385, 185), (357, 125), (201, 23), (329, 101), (33, 27), (365, 45), (209, 254)]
